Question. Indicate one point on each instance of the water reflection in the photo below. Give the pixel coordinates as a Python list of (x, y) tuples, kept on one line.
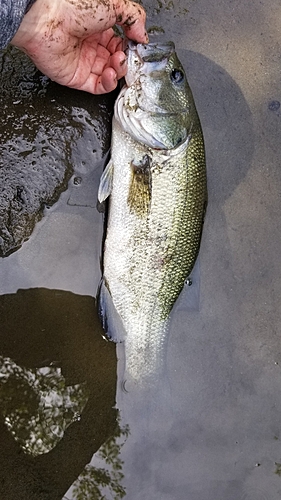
[(37, 405), (57, 397), (95, 482)]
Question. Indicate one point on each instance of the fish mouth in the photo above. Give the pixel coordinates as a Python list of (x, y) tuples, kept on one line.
[(144, 59), (150, 52), (139, 54), (136, 108)]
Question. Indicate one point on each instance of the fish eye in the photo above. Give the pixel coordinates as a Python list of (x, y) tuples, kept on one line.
[(177, 75)]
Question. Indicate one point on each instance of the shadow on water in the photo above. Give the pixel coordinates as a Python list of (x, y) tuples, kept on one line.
[(57, 393), (226, 121), (229, 142)]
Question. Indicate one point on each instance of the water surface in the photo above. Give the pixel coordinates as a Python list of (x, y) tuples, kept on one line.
[(211, 429)]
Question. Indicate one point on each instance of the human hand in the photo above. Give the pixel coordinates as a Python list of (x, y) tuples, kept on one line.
[(73, 43)]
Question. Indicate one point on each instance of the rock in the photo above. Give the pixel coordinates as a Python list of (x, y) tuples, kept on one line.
[(45, 130)]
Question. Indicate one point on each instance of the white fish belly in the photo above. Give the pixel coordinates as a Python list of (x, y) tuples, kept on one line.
[(139, 248)]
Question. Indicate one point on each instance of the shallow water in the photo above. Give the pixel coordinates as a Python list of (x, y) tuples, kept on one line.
[(211, 429)]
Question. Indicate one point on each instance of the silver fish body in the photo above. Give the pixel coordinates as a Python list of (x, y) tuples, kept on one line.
[(156, 180)]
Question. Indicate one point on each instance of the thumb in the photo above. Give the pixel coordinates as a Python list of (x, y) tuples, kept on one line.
[(131, 16)]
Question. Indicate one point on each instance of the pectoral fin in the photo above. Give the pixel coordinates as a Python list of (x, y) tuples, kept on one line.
[(110, 319), (139, 196), (106, 181)]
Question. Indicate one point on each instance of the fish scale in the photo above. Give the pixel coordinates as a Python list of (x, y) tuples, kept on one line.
[(156, 209)]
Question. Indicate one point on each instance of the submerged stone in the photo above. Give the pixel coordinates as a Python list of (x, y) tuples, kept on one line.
[(46, 130)]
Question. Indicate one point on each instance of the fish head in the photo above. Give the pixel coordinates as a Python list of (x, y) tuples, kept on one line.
[(156, 105)]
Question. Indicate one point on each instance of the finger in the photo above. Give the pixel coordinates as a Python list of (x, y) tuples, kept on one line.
[(131, 16), (108, 39), (100, 84), (118, 62), (105, 42), (115, 44), (104, 59), (107, 81)]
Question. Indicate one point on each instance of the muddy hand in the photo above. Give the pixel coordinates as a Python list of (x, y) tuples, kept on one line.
[(72, 41)]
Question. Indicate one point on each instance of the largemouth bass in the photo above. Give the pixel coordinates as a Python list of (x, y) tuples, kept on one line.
[(156, 180)]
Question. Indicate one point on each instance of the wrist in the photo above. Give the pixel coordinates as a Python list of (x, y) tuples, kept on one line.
[(29, 5)]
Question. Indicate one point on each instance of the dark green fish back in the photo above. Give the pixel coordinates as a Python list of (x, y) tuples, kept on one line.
[(188, 222)]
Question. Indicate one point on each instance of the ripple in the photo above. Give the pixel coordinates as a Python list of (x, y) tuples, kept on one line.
[(254, 493)]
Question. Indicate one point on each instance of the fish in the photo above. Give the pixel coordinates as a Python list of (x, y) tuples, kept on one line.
[(156, 185)]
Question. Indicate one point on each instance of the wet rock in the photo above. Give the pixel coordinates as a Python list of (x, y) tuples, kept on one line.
[(46, 130)]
